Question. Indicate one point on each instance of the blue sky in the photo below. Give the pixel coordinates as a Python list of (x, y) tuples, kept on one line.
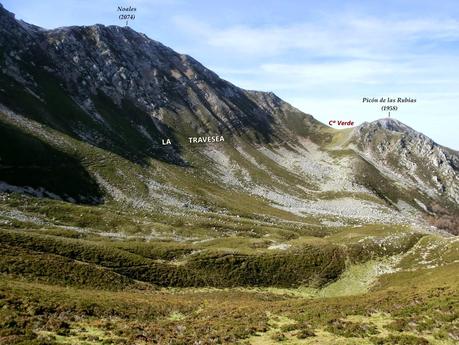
[(322, 57)]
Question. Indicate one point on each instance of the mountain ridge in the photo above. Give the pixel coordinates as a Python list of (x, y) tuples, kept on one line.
[(117, 94)]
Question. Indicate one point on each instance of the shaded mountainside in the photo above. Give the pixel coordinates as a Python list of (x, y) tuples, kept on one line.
[(92, 105)]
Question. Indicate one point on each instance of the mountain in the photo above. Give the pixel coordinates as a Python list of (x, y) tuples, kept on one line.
[(119, 68), (418, 160), (118, 90), (74, 97), (145, 200)]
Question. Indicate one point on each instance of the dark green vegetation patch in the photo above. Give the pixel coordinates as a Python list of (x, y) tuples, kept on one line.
[(314, 265)]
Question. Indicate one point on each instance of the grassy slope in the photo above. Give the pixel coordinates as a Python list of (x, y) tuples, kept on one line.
[(401, 308), (65, 286)]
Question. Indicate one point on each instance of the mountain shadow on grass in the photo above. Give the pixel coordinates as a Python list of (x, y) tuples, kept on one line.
[(134, 134), (30, 166)]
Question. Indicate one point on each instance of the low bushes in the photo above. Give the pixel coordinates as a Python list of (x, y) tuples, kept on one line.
[(52, 257)]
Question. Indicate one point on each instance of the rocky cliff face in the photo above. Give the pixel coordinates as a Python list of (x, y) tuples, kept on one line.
[(127, 66), (98, 102)]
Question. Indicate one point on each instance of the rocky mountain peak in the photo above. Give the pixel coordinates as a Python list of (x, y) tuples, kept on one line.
[(410, 156), (390, 130), (392, 124), (387, 124), (103, 70), (4, 11), (125, 65)]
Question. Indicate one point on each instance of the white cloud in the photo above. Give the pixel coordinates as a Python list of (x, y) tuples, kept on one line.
[(335, 72), (346, 36), (414, 75), (324, 67)]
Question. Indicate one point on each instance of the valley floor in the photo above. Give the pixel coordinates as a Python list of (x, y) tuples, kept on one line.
[(369, 284), (405, 309)]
